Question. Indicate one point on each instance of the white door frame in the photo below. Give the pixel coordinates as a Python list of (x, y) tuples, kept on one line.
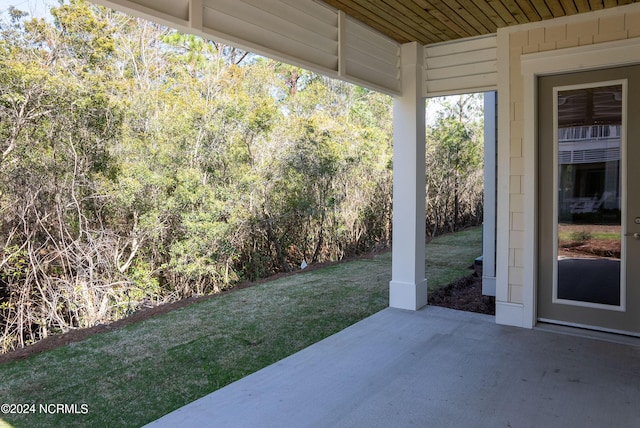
[(591, 57)]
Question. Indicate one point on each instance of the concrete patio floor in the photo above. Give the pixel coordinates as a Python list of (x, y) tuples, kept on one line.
[(434, 368)]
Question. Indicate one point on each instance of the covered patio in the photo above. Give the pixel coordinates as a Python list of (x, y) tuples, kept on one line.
[(411, 365), (435, 367)]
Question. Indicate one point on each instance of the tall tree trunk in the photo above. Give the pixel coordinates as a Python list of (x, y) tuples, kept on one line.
[(273, 238), (316, 253)]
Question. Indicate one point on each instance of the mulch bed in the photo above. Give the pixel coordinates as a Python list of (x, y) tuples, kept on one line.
[(464, 294), (593, 247)]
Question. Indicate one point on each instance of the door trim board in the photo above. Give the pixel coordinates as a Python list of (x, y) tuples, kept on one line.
[(597, 56)]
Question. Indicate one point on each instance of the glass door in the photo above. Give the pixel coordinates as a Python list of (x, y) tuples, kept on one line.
[(585, 186)]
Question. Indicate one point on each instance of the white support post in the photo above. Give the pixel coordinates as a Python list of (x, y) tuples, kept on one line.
[(408, 286), (490, 183)]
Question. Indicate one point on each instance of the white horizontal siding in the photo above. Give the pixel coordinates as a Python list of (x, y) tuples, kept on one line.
[(168, 12), (378, 65), (305, 33), (277, 27), (312, 21), (362, 32), (460, 67), (361, 75), (177, 8), (324, 14), (462, 46), (369, 56)]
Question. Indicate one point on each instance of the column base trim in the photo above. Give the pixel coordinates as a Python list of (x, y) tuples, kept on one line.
[(407, 295), (489, 286), (511, 314)]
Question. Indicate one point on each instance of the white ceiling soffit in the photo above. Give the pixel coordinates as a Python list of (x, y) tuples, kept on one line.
[(300, 32), (463, 66)]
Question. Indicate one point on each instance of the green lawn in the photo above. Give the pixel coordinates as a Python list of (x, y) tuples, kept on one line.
[(131, 376), (586, 232)]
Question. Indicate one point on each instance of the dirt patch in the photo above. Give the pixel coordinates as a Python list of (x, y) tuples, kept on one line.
[(465, 294)]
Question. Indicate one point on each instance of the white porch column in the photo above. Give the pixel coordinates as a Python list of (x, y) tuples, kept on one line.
[(408, 286), (490, 183)]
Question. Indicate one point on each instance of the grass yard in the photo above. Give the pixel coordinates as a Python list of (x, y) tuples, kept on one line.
[(136, 374), (590, 240), (574, 232)]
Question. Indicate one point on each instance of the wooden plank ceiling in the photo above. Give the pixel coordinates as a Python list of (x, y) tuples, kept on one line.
[(433, 21)]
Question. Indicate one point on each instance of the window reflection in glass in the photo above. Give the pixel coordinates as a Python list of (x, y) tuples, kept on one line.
[(589, 194)]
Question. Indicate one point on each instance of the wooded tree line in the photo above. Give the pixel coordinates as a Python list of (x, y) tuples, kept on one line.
[(139, 166)]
